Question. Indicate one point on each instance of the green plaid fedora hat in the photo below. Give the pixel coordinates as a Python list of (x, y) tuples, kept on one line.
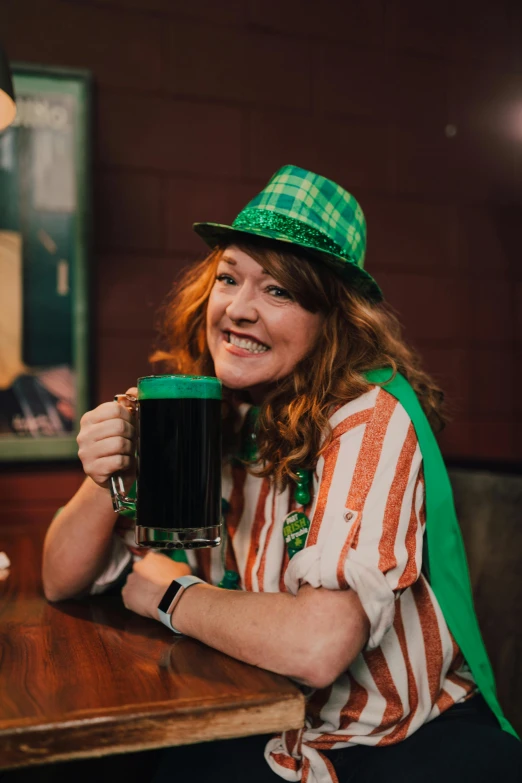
[(309, 211)]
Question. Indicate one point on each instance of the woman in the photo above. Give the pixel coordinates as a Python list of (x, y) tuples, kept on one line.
[(284, 314)]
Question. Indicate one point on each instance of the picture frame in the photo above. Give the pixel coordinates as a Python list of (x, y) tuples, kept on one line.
[(44, 240)]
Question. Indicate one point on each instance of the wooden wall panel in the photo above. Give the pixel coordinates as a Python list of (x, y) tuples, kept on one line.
[(128, 211), (238, 64), (33, 493), (122, 49), (156, 131), (410, 105), (411, 235), (278, 137), (357, 21)]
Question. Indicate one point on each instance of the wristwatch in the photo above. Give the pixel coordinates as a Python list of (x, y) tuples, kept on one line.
[(172, 596)]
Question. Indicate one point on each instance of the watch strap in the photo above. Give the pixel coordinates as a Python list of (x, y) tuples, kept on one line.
[(173, 593)]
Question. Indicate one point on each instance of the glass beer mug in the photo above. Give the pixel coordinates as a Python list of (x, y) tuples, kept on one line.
[(178, 478)]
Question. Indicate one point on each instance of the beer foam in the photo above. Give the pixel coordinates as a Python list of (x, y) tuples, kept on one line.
[(173, 387)]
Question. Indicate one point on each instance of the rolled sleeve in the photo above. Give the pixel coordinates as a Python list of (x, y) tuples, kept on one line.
[(367, 521)]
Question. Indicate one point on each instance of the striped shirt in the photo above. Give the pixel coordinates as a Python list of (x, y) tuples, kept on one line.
[(367, 517)]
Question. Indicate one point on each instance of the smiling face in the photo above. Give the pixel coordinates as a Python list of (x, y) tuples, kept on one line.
[(256, 331)]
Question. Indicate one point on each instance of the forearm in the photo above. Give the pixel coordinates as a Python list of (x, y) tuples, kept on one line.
[(238, 623), (290, 635), (78, 543)]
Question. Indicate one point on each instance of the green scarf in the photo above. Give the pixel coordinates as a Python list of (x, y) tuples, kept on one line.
[(447, 564)]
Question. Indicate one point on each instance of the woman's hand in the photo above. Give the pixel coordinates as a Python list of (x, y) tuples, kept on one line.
[(107, 441), (148, 581)]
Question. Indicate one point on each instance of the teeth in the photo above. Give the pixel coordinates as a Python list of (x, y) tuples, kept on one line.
[(248, 345)]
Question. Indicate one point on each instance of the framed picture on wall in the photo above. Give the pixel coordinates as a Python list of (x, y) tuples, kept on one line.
[(44, 223)]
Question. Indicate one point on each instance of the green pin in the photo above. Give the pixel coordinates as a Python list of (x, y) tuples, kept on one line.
[(295, 532)]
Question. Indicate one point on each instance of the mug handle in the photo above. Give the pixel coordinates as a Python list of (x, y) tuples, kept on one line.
[(120, 500)]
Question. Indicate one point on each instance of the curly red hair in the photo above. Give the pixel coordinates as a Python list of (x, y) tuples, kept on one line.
[(357, 336)]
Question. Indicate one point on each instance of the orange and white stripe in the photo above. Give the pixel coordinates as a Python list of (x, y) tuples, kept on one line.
[(367, 525)]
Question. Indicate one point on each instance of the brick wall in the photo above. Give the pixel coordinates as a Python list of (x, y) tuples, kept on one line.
[(415, 107)]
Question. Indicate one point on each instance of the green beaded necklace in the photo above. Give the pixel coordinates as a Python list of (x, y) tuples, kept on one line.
[(296, 524)]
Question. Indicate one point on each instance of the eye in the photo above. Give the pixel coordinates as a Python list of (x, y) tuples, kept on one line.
[(227, 279), (279, 293)]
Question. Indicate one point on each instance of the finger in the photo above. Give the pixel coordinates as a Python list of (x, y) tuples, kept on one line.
[(106, 466), (110, 447), (108, 410), (113, 427), (132, 392)]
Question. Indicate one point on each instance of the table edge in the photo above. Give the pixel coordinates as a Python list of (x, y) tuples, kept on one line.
[(42, 744)]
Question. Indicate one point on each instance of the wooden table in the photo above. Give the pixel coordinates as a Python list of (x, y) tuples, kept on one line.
[(89, 678)]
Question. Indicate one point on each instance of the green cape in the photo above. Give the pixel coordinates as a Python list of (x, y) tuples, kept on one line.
[(447, 565)]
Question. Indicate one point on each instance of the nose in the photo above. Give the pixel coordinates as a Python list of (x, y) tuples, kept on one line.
[(242, 306)]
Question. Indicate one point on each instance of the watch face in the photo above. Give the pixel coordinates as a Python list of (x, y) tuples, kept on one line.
[(169, 595)]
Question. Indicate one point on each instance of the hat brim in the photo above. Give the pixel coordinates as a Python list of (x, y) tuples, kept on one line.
[(214, 234)]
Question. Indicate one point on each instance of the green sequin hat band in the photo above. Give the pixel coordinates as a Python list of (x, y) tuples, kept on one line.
[(310, 211)]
